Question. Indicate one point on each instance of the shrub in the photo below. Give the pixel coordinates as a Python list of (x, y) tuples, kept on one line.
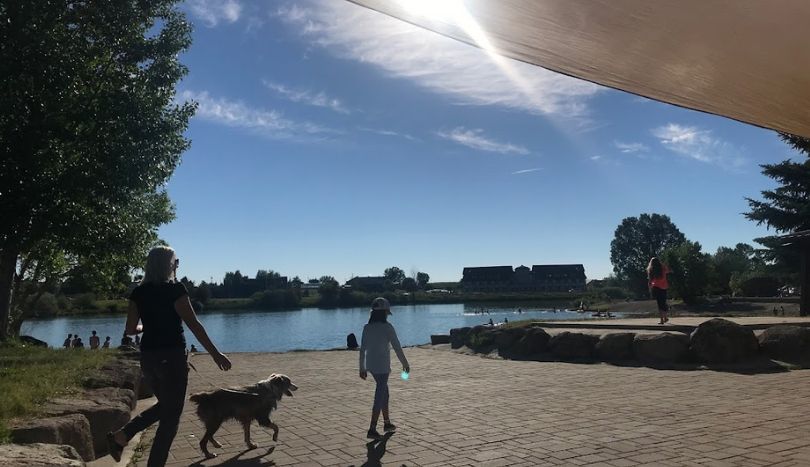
[(85, 301)]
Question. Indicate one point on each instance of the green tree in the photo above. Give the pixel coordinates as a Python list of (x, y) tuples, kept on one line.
[(690, 269), (329, 291), (395, 275), (636, 240), (786, 208), (90, 131), (409, 284), (422, 278), (726, 261)]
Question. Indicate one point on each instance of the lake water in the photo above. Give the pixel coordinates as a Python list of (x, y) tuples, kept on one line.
[(309, 328)]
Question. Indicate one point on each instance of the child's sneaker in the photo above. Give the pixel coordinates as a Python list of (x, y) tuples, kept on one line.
[(372, 434), (389, 427)]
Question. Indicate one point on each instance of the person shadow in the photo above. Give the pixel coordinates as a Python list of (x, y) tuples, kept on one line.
[(376, 450), (246, 458)]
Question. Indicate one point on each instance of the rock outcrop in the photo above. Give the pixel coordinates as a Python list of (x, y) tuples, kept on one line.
[(786, 343), (615, 347), (39, 455), (106, 409), (533, 342), (722, 341), (573, 345), (663, 348), (72, 430)]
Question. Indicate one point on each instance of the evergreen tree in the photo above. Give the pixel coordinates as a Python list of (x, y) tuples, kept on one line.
[(785, 209)]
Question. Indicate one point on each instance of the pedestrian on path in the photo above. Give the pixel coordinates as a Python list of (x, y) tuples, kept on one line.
[(658, 284), (375, 357), (94, 341), (162, 304)]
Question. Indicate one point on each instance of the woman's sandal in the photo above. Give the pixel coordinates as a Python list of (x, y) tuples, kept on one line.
[(115, 449)]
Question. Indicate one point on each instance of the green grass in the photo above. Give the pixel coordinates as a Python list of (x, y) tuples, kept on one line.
[(30, 376)]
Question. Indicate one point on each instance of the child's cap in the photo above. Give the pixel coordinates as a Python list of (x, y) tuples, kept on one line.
[(380, 303)]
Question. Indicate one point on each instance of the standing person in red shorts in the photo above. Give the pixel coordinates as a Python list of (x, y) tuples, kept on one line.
[(658, 284)]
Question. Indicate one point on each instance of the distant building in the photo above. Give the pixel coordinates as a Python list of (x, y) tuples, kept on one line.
[(367, 284), (540, 278)]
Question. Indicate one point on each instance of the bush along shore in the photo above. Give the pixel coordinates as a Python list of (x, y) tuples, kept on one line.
[(289, 299), (715, 343)]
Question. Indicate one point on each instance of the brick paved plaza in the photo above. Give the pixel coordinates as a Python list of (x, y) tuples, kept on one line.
[(466, 410)]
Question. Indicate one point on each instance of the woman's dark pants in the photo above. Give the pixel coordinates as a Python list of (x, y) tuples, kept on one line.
[(381, 392), (660, 296), (167, 372)]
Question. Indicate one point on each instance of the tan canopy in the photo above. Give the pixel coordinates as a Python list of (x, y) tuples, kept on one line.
[(744, 59)]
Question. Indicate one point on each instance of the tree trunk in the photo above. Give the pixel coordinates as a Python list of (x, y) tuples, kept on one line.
[(8, 267), (804, 280)]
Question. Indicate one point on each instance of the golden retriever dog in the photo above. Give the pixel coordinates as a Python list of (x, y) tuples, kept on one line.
[(244, 405)]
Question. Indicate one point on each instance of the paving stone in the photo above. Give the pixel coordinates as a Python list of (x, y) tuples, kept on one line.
[(461, 409)]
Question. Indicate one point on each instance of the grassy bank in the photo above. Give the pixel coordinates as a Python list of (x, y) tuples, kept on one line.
[(30, 376)]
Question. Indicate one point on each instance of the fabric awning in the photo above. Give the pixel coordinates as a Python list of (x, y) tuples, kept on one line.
[(744, 59)]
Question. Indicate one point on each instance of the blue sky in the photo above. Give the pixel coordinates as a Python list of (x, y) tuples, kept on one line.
[(333, 140)]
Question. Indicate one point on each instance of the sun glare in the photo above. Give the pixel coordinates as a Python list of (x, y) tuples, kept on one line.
[(450, 11)]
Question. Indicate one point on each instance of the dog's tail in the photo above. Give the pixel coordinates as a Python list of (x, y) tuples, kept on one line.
[(197, 398)]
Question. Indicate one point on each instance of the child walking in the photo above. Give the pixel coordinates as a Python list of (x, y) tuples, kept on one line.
[(375, 357)]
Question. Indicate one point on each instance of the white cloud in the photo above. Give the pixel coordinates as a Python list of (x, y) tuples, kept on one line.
[(595, 158), (630, 148), (464, 73), (212, 12), (474, 139), (700, 145), (265, 122), (525, 171), (384, 132), (317, 99)]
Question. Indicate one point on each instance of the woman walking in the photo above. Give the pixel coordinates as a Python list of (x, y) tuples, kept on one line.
[(658, 284), (375, 357), (161, 304)]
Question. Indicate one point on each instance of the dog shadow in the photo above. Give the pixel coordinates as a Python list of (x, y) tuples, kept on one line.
[(240, 461), (376, 450)]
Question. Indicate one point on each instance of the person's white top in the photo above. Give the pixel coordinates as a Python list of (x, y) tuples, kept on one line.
[(375, 348)]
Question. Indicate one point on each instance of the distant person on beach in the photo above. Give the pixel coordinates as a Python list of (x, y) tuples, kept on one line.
[(162, 305), (375, 357), (94, 341), (106, 344), (79, 344), (658, 284), (69, 341), (126, 341), (193, 349), (75, 340), (490, 322), (505, 320)]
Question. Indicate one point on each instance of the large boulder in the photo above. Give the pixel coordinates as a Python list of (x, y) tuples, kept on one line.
[(666, 347), (505, 339), (122, 373), (30, 340), (573, 345), (615, 347), (722, 341), (481, 338), (39, 455), (436, 339), (458, 337), (106, 409), (72, 430), (786, 343), (534, 341)]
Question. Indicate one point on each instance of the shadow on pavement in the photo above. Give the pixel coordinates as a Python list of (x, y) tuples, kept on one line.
[(376, 450), (239, 460)]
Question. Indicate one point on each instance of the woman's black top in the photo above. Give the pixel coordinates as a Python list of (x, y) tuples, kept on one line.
[(162, 326)]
